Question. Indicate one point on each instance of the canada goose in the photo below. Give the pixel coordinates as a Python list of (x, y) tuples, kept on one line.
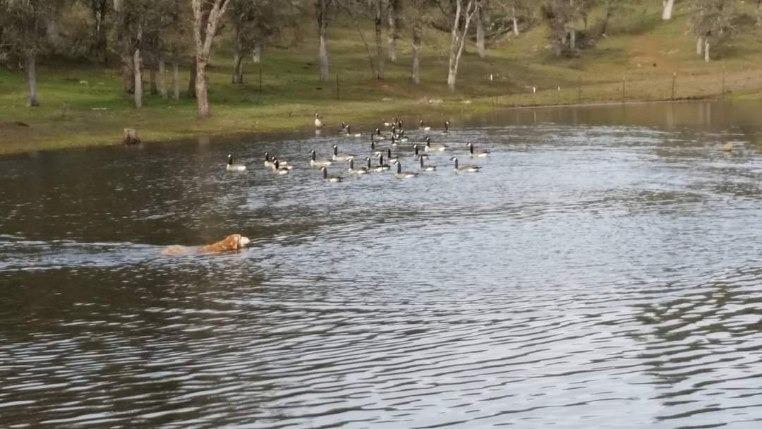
[(234, 167), (376, 150), (404, 174), (340, 157), (382, 166), (343, 127), (464, 168), (332, 179), (447, 127), (361, 170), (418, 153), (279, 169), (478, 153), (423, 127), (282, 162), (314, 162), (426, 167), (350, 134), (268, 160), (376, 135), (389, 156), (318, 122), (434, 147)]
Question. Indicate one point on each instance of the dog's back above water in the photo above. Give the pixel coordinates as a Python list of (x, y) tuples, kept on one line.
[(231, 243)]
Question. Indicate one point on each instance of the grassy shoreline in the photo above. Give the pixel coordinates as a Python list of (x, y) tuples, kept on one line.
[(648, 60)]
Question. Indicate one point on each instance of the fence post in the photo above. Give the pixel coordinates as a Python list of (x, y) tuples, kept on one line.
[(674, 78)]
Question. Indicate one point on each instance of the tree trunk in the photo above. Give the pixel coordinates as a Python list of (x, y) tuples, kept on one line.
[(416, 74), (699, 45), (237, 58), (138, 92), (572, 40), (321, 9), (128, 81), (202, 88), (666, 13), (192, 80), (162, 82), (515, 22), (393, 34), (458, 38), (606, 18), (237, 68), (204, 29), (31, 79), (152, 79), (175, 81), (707, 58), (100, 44), (379, 48), (256, 57), (480, 47)]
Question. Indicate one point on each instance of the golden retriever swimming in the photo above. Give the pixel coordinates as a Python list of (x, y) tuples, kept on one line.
[(230, 243)]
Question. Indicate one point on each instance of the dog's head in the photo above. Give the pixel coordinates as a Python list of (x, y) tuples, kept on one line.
[(236, 242)]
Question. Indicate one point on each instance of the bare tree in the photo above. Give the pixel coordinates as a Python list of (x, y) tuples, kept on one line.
[(360, 11), (378, 22), (322, 8), (254, 21), (394, 10), (100, 10), (24, 30), (206, 18), (560, 16), (464, 13), (481, 12), (713, 23), (667, 6)]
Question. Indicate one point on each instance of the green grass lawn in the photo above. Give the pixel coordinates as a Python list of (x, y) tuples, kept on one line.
[(83, 105)]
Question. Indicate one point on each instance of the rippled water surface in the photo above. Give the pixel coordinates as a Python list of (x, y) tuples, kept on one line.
[(603, 269)]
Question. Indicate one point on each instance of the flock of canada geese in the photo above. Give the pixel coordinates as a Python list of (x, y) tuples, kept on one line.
[(387, 149)]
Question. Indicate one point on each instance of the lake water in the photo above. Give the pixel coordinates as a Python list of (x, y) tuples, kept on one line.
[(602, 270)]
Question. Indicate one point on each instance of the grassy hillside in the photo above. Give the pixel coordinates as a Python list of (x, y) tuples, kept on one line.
[(83, 105)]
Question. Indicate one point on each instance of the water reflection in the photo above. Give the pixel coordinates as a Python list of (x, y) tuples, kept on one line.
[(592, 273)]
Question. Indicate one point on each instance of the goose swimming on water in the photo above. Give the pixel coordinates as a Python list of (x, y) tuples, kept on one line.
[(466, 168), (231, 166), (382, 166), (329, 178), (426, 167), (477, 153), (341, 156), (358, 171), (404, 174), (432, 147), (279, 169), (314, 162)]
